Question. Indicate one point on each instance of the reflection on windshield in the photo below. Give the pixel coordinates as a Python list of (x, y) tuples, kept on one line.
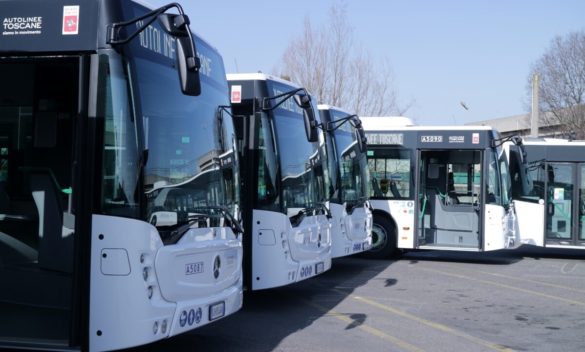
[(188, 163), (353, 171), (284, 147), (299, 161)]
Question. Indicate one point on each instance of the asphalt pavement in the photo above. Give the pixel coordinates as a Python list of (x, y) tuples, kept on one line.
[(529, 299)]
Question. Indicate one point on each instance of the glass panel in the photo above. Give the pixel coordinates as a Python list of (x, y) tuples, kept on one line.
[(302, 175), (506, 181), (391, 174), (464, 176), (298, 159), (582, 204), (36, 219), (120, 155), (537, 174), (352, 162), (494, 191), (267, 168), (177, 157), (560, 201)]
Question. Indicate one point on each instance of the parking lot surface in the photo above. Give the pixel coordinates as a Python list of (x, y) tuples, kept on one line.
[(530, 299)]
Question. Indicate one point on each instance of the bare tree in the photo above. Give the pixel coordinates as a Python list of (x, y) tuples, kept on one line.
[(561, 71), (339, 72)]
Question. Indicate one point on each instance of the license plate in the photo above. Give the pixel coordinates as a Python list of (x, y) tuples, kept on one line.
[(216, 311), (319, 268)]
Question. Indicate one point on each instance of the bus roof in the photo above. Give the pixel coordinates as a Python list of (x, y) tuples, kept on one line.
[(401, 124), (331, 107), (386, 122), (552, 141), (259, 77)]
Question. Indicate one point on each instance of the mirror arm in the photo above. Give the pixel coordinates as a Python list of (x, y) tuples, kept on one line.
[(114, 28), (284, 96), (181, 22), (333, 125)]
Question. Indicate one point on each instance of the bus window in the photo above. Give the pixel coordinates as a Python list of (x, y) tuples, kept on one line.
[(493, 181), (3, 164), (390, 172)]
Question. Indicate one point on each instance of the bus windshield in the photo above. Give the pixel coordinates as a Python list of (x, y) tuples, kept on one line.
[(353, 170), (303, 182), (188, 160)]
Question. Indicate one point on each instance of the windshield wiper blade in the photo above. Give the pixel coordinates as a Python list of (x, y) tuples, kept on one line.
[(234, 223), (360, 202), (319, 209), (173, 233)]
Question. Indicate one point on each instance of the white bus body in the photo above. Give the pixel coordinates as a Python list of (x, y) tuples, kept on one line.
[(118, 180), (351, 220), (437, 187), (549, 192), (288, 234)]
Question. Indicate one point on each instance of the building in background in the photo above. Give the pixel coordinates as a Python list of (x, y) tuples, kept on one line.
[(520, 125)]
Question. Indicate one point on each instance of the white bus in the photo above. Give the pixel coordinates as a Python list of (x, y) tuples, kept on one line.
[(344, 142), (441, 188), (118, 177), (549, 192), (285, 219)]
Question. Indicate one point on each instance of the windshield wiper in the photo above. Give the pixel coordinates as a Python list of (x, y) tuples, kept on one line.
[(352, 205), (173, 233), (319, 209), (233, 222)]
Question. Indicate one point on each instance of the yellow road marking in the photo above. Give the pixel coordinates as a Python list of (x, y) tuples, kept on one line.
[(578, 303), (434, 325), (371, 330), (533, 281)]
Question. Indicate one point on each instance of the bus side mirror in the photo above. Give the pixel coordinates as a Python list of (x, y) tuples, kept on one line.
[(188, 67), (360, 135), (304, 101), (188, 63)]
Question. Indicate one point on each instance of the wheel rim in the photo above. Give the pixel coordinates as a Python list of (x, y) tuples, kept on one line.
[(379, 238)]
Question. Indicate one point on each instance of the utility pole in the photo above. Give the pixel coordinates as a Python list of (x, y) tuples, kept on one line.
[(534, 114)]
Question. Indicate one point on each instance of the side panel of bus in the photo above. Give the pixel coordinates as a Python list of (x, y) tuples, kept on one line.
[(530, 221)]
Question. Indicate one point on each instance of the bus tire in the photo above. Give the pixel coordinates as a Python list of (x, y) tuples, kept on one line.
[(383, 239)]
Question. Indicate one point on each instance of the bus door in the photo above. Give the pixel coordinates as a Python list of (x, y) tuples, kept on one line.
[(565, 204), (39, 99), (449, 202), (528, 180)]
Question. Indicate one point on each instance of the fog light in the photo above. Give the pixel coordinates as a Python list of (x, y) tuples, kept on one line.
[(155, 327), (163, 327), (150, 292), (145, 274), (142, 258)]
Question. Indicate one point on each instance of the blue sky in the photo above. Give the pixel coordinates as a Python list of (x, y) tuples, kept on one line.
[(441, 52)]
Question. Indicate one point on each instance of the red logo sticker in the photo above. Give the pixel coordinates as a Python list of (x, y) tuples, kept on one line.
[(70, 20), (475, 138), (236, 96)]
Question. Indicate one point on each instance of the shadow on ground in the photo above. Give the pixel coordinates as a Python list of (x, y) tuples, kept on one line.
[(269, 316)]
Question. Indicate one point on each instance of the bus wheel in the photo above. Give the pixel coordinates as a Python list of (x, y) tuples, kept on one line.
[(383, 239)]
